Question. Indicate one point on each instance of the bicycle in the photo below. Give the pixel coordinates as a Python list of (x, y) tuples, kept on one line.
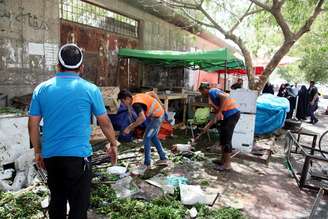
[(323, 144)]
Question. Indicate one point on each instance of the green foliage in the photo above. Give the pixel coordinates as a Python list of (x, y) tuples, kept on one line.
[(268, 34), (315, 66), (291, 73), (27, 205), (313, 48), (204, 183), (296, 12), (105, 202), (5, 110), (223, 213)]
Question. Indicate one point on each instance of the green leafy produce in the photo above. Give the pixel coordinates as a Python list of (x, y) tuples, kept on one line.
[(223, 213), (105, 202), (204, 183), (26, 205), (5, 110)]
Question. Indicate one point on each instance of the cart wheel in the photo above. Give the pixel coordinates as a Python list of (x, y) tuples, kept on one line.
[(323, 144)]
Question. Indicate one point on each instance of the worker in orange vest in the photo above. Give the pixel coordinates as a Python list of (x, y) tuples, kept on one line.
[(227, 112), (147, 106)]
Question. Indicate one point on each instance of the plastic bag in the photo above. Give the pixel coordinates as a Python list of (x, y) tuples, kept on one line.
[(192, 194), (125, 188)]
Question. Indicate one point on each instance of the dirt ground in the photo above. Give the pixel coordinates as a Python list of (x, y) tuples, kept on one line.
[(266, 191), (262, 191)]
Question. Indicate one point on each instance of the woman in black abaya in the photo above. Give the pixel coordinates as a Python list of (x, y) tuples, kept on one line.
[(302, 107)]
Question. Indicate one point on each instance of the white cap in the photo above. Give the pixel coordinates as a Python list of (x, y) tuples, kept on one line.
[(62, 62)]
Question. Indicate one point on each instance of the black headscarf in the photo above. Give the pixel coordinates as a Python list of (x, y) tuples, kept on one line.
[(282, 91), (303, 104)]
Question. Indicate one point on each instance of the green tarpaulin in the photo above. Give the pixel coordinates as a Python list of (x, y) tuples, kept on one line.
[(205, 60)]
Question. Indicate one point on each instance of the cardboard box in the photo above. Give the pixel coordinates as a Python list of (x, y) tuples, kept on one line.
[(110, 98)]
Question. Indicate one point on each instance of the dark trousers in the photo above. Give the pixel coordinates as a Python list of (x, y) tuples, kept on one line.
[(312, 109), (226, 131), (69, 179)]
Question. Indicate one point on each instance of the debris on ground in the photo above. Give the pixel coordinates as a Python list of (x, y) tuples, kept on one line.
[(23, 204), (10, 110), (105, 202)]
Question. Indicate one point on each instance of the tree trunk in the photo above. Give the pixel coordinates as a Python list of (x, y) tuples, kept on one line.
[(283, 50)]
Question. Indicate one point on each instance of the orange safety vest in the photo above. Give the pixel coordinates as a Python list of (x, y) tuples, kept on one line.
[(154, 108), (228, 104)]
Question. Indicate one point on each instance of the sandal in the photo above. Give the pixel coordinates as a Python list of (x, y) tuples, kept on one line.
[(164, 163)]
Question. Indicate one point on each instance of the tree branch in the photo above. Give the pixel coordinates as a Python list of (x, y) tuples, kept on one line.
[(261, 5), (179, 4), (308, 23), (281, 52), (223, 5), (196, 20), (247, 13), (238, 41)]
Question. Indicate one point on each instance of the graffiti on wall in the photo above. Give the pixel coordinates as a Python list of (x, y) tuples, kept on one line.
[(21, 16)]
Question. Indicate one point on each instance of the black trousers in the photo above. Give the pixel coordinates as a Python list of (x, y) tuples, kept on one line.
[(69, 179), (226, 131)]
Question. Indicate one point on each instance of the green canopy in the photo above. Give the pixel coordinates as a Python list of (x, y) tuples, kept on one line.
[(205, 60)]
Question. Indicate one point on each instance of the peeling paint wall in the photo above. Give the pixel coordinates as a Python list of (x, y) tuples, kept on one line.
[(29, 38), (100, 48), (158, 34)]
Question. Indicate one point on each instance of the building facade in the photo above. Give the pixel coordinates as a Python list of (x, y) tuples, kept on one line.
[(31, 32)]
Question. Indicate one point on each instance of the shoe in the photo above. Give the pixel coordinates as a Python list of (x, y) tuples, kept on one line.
[(140, 170), (315, 121), (162, 163)]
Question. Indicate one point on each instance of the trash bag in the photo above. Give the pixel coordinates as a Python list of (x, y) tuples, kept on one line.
[(191, 194), (271, 113)]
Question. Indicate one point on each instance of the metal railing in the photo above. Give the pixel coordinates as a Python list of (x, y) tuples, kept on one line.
[(310, 155), (92, 15)]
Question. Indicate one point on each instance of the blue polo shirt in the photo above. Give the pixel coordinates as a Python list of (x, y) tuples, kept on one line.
[(66, 103), (214, 95)]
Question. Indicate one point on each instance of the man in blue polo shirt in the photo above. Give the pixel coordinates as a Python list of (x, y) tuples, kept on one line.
[(66, 103)]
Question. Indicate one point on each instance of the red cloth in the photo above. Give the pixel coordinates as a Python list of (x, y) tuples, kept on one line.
[(165, 130), (258, 71)]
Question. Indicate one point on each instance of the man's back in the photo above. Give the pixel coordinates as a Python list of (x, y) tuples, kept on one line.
[(65, 103), (312, 92)]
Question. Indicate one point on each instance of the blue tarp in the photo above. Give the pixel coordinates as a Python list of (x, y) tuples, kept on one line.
[(271, 113)]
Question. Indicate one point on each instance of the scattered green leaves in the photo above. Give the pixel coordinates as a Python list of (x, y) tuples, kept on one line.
[(222, 213), (105, 202), (26, 205), (6, 110)]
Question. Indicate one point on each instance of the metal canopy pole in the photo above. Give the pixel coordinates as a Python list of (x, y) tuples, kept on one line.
[(225, 75), (225, 71), (128, 72)]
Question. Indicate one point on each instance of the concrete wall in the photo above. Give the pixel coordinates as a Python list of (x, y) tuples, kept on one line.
[(29, 38), (155, 32), (30, 35)]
